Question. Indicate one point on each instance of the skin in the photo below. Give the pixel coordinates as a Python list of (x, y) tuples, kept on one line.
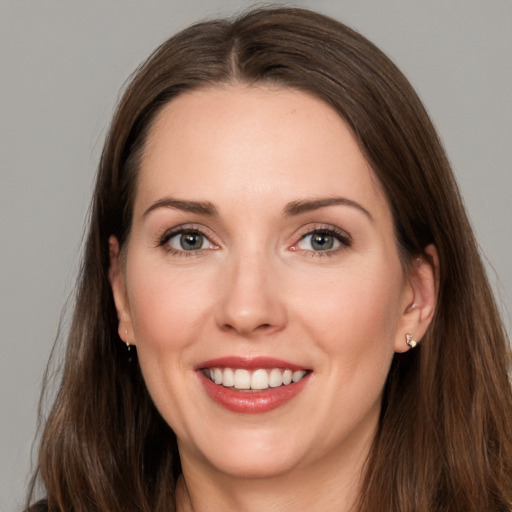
[(258, 287)]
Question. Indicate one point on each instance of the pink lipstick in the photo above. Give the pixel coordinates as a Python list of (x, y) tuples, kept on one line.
[(252, 385)]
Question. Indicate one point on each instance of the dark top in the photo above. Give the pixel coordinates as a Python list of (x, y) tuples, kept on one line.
[(40, 506)]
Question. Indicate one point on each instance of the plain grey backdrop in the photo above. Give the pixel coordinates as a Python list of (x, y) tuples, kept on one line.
[(63, 63)]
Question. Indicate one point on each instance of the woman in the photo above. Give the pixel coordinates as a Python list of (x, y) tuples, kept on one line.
[(281, 302)]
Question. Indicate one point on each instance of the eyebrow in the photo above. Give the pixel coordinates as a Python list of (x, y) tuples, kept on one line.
[(291, 209), (200, 207), (308, 205)]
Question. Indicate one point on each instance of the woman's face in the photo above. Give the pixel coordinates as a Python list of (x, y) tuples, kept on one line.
[(262, 251)]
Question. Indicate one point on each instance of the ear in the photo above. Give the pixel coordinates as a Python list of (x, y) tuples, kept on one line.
[(117, 282), (420, 298)]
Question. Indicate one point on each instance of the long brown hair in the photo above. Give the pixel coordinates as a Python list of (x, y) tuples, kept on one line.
[(444, 441)]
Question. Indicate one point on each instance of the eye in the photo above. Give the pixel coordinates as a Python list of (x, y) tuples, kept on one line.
[(323, 241), (319, 242), (189, 240)]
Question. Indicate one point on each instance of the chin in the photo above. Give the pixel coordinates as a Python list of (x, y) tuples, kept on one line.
[(251, 455), (257, 467)]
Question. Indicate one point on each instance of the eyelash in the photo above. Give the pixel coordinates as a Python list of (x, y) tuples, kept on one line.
[(168, 235), (344, 239)]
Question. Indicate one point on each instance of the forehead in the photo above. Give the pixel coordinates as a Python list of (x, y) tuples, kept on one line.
[(255, 140)]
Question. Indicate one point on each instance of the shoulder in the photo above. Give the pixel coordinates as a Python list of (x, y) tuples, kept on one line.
[(40, 506)]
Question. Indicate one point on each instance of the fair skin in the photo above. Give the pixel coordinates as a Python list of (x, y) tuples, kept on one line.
[(260, 231)]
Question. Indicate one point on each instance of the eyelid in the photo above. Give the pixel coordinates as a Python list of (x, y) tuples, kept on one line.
[(344, 238), (167, 234)]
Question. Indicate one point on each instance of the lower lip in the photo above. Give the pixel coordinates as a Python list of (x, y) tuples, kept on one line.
[(252, 401)]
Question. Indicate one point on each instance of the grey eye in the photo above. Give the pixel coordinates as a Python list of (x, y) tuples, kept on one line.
[(319, 241), (189, 241)]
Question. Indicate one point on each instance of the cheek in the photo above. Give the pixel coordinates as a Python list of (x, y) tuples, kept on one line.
[(354, 323), (355, 315), (166, 306), (167, 310)]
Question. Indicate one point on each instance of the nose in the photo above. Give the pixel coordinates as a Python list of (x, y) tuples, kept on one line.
[(250, 301)]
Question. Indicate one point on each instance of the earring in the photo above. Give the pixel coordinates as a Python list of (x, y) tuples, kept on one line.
[(128, 346), (410, 340)]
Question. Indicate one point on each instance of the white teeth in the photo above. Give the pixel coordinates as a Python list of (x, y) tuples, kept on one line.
[(229, 378), (217, 376), (275, 379), (242, 379), (258, 380), (298, 375)]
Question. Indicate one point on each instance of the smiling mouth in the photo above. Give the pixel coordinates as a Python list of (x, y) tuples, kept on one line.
[(258, 380)]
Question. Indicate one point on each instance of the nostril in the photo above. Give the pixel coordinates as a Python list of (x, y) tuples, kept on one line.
[(259, 328), (264, 328)]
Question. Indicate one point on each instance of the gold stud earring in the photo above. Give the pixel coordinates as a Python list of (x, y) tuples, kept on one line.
[(409, 339)]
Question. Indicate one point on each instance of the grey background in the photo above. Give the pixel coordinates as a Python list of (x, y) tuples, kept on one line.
[(62, 65)]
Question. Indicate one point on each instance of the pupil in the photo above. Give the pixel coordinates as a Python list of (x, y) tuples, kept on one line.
[(322, 241), (191, 241)]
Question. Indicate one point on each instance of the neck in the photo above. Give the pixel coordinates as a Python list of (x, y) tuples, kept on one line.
[(330, 486)]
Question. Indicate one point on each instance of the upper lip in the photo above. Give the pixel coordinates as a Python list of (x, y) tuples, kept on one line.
[(249, 363)]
